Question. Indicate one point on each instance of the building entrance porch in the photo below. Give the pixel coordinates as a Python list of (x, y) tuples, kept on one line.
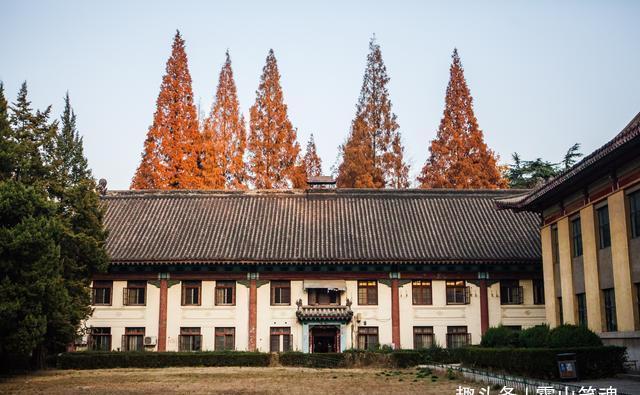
[(324, 339)]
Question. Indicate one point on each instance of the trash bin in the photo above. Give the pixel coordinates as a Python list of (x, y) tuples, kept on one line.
[(567, 366)]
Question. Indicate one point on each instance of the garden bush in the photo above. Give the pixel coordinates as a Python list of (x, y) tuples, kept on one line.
[(500, 336), (107, 360), (573, 336), (535, 337), (592, 362), (325, 360)]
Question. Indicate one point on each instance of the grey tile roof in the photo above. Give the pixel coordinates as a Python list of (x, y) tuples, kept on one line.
[(317, 226)]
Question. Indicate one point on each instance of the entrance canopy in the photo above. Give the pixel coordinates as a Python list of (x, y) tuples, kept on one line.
[(338, 285)]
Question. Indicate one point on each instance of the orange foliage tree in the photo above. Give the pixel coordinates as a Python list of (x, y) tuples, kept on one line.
[(274, 153), (311, 160), (170, 156), (372, 157), (224, 137), (459, 157)]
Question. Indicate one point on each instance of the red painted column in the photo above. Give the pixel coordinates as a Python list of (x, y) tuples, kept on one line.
[(162, 316), (395, 313), (484, 307), (253, 314)]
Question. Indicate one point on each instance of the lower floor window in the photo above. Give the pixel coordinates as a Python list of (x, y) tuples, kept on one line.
[(457, 336), (100, 339), (133, 339), (422, 337), (611, 322), (582, 309), (225, 339), (280, 340), (190, 339), (368, 337)]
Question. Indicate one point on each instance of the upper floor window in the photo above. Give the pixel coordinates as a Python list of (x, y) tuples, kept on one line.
[(576, 237), (101, 293), (135, 293), (510, 292), (421, 292), (191, 292), (323, 297), (225, 293), (604, 232), (554, 245), (457, 292), (538, 292), (634, 213), (281, 293), (368, 292)]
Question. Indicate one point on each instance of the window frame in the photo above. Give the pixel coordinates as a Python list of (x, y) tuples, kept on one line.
[(138, 286), (227, 332), (188, 285), (454, 335), (276, 286), (455, 288), (281, 334), (421, 332), (223, 285), (367, 292), (634, 213), (130, 332), (604, 227), (101, 333), (368, 333), (418, 287), (194, 335), (581, 307), (314, 300), (610, 318), (511, 293), (101, 285), (576, 237), (538, 292)]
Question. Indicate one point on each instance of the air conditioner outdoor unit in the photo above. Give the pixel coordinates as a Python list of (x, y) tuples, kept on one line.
[(149, 340)]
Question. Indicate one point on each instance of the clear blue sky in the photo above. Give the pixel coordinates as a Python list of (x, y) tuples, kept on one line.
[(543, 74)]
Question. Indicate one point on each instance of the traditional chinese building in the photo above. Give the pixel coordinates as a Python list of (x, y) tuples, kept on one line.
[(591, 240), (313, 270)]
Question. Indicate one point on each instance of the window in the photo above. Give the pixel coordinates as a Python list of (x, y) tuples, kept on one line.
[(101, 293), (582, 309), (510, 292), (611, 323), (554, 245), (538, 292), (100, 339), (421, 292), (134, 294), (634, 213), (280, 339), (560, 313), (225, 293), (457, 336), (368, 337), (133, 339), (190, 339), (457, 292), (281, 293), (576, 237), (422, 337), (225, 339), (604, 231), (191, 293), (323, 297), (368, 292)]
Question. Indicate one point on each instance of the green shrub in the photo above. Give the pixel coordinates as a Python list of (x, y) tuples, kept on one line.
[(592, 362), (500, 336), (573, 336), (324, 360), (535, 337), (107, 360), (406, 358)]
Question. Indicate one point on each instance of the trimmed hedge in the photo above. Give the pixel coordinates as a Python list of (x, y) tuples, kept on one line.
[(107, 360), (592, 362), (325, 360)]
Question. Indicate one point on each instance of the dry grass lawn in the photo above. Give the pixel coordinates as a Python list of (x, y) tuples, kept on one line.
[(229, 380)]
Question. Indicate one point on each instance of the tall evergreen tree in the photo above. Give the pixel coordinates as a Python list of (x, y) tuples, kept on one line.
[(224, 137), (274, 160), (171, 150), (372, 157), (312, 162), (6, 139), (459, 157)]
